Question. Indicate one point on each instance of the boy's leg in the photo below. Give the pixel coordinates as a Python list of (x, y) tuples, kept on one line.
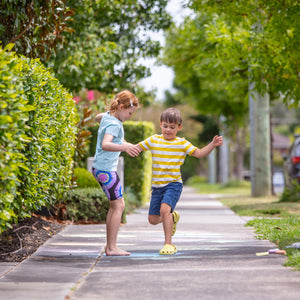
[(170, 199), (163, 202), (167, 220), (154, 217), (113, 220)]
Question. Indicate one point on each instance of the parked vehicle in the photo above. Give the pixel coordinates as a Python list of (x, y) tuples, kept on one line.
[(292, 163)]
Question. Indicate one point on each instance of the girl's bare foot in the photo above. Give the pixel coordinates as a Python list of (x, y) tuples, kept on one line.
[(116, 252)]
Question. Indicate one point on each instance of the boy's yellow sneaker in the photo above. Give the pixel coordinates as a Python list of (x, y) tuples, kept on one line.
[(176, 217)]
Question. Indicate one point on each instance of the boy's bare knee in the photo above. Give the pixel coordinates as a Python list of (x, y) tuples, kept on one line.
[(165, 209), (154, 219)]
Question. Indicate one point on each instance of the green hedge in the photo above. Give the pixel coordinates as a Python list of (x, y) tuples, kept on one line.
[(138, 170), (37, 136), (85, 205)]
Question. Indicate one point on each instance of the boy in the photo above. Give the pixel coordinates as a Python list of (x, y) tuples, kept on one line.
[(168, 154)]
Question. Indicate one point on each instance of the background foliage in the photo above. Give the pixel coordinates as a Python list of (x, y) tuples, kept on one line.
[(35, 27), (109, 39), (262, 38), (89, 44)]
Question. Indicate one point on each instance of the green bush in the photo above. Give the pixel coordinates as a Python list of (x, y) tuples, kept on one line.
[(85, 179), (37, 136), (138, 170), (85, 205), (292, 193), (196, 180)]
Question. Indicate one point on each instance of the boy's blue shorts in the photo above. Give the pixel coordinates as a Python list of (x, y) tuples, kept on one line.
[(168, 194)]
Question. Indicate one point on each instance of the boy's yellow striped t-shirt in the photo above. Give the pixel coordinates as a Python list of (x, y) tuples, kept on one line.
[(167, 158)]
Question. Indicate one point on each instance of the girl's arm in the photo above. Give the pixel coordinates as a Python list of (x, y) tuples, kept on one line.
[(217, 141), (108, 145)]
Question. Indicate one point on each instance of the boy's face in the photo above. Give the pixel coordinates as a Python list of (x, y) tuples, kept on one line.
[(169, 130)]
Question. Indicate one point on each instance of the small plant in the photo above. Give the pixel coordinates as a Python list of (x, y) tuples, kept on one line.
[(269, 211), (291, 194), (294, 259), (196, 180)]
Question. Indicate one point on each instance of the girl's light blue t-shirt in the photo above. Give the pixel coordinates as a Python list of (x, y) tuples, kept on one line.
[(107, 160)]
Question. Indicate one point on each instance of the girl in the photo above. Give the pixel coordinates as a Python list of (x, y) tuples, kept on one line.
[(110, 143)]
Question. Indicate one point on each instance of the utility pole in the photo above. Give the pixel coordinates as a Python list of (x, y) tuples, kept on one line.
[(212, 167), (260, 150), (224, 161), (223, 165)]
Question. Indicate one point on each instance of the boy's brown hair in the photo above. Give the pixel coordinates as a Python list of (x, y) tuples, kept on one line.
[(171, 115)]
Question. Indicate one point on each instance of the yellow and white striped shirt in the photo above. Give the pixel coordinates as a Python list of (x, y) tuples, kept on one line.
[(167, 158)]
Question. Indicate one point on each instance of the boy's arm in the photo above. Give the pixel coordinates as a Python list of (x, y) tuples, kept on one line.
[(217, 141), (99, 117), (137, 146)]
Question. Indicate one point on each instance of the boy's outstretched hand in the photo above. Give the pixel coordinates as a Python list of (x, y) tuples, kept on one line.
[(218, 140), (131, 149)]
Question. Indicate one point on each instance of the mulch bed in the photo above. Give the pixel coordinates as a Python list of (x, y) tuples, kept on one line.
[(26, 237)]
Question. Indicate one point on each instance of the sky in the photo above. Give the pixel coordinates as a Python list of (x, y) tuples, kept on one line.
[(162, 76)]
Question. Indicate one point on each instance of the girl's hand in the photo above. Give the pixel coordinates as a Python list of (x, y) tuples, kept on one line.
[(218, 140)]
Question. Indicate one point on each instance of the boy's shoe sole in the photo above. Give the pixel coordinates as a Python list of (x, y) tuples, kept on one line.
[(168, 250), (176, 217)]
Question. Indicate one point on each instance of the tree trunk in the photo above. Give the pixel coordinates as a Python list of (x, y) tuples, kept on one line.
[(260, 153)]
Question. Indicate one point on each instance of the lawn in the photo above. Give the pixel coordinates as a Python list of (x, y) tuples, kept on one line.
[(275, 221)]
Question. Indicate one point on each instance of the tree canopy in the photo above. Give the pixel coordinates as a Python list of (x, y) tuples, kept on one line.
[(265, 34), (35, 27), (88, 44), (199, 74)]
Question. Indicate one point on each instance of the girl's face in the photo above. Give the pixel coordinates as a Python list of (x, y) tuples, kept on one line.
[(169, 130), (124, 114)]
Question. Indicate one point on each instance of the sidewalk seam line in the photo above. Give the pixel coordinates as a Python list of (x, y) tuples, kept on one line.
[(84, 275), (10, 269)]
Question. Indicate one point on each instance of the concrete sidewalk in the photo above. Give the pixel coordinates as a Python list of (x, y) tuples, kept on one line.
[(216, 259)]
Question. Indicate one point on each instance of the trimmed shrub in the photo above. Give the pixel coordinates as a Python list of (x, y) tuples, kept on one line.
[(85, 179), (138, 170), (14, 115), (89, 204), (37, 134), (85, 205)]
